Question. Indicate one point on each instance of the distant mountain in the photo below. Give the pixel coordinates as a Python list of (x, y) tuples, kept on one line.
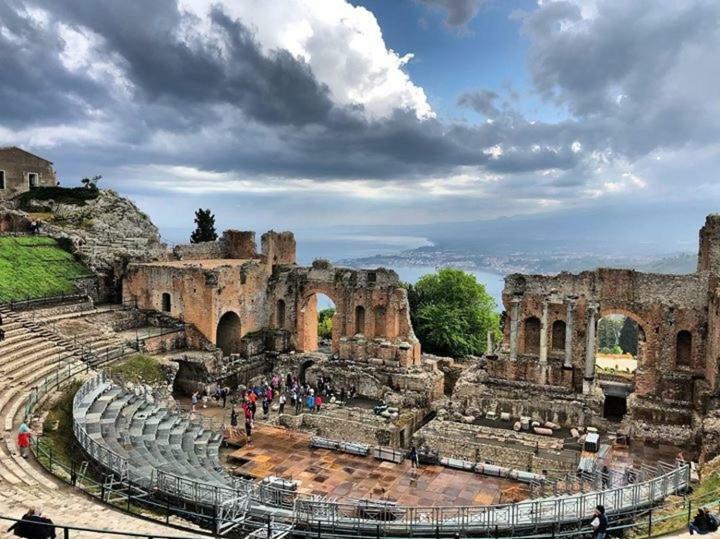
[(678, 264)]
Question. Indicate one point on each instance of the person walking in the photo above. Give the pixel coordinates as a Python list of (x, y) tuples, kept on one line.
[(23, 439), (282, 400), (194, 400), (605, 477), (599, 523), (413, 458), (24, 527), (233, 417), (310, 402), (318, 403), (266, 407), (248, 429)]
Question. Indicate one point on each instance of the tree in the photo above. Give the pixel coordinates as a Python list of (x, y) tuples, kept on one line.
[(451, 313), (205, 227), (91, 183), (629, 337), (609, 332), (325, 325)]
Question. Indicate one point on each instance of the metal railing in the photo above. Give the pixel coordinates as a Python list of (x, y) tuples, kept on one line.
[(43, 301), (308, 511)]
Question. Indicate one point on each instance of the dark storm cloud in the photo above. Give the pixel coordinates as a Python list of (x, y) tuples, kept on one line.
[(481, 101), (34, 86), (274, 89), (458, 12), (224, 104)]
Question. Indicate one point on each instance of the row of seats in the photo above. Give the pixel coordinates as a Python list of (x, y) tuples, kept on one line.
[(150, 436), (31, 353)]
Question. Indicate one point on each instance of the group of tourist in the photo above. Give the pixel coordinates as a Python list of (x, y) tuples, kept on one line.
[(704, 522)]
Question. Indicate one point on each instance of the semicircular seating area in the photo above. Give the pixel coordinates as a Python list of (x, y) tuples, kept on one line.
[(151, 437)]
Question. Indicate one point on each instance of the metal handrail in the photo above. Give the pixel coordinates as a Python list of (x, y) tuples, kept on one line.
[(310, 511)]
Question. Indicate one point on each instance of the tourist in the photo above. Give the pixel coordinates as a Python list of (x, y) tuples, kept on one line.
[(288, 381), (310, 402), (599, 523), (413, 457), (703, 523), (23, 439), (605, 477), (298, 401), (194, 400), (282, 400), (252, 397), (342, 395), (318, 403), (2, 334), (248, 429), (233, 417), (24, 527), (266, 407)]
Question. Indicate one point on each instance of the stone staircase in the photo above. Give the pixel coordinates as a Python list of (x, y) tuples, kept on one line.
[(29, 354)]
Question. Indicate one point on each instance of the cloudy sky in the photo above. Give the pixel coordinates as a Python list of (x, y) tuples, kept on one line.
[(290, 113)]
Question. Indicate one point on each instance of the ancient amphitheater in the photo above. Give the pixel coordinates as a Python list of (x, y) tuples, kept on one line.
[(516, 442)]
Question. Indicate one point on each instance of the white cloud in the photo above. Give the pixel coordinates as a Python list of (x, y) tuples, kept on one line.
[(342, 43)]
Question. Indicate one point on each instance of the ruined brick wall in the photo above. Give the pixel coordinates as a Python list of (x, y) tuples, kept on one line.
[(709, 251), (712, 363), (269, 292), (662, 305), (15, 167), (371, 310)]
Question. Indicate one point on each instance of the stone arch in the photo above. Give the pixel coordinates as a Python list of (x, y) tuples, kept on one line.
[(359, 319), (303, 369), (307, 319), (558, 335), (280, 314), (229, 333), (643, 360), (532, 335), (683, 348)]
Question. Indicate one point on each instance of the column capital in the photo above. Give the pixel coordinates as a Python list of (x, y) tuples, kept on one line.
[(571, 301), (516, 300), (593, 307)]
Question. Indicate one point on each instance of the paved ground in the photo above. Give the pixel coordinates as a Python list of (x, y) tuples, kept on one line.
[(287, 454)]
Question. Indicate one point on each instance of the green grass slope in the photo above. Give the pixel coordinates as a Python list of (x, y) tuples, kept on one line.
[(36, 266)]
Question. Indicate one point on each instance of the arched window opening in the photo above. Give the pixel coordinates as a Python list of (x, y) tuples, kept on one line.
[(229, 333), (166, 302), (558, 335), (360, 320), (280, 314), (532, 335), (683, 348)]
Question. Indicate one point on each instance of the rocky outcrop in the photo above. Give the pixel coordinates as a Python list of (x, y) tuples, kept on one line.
[(106, 233)]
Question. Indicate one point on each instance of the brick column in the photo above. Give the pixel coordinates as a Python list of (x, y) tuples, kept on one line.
[(514, 314), (544, 334), (589, 376), (569, 323)]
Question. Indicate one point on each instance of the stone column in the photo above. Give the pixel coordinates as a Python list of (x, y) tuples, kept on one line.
[(544, 334), (567, 363), (514, 321), (589, 377), (489, 343)]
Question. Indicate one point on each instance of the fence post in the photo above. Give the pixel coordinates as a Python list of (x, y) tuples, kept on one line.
[(66, 532), (650, 523)]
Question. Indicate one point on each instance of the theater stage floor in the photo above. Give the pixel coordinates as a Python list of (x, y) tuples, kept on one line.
[(287, 454)]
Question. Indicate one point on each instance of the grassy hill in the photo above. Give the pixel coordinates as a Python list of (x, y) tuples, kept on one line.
[(36, 266)]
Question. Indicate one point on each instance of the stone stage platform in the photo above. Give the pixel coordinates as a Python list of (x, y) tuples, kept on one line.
[(287, 454)]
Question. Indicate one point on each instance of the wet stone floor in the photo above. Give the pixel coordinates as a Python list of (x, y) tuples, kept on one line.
[(287, 454)]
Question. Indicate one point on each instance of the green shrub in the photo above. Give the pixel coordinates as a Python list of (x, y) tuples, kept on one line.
[(77, 196), (139, 369)]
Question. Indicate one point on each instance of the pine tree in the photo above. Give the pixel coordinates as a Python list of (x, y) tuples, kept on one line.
[(205, 229), (629, 337)]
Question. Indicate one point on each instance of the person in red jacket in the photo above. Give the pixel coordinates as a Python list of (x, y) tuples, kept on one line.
[(23, 439)]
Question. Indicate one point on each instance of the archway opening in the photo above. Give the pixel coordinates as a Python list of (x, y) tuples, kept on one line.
[(683, 349), (619, 349), (557, 342), (303, 370), (317, 317), (229, 333), (360, 320), (532, 335)]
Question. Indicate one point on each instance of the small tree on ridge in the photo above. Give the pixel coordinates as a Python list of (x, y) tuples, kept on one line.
[(205, 227)]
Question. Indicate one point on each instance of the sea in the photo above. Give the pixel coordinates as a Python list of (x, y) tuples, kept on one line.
[(354, 246)]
